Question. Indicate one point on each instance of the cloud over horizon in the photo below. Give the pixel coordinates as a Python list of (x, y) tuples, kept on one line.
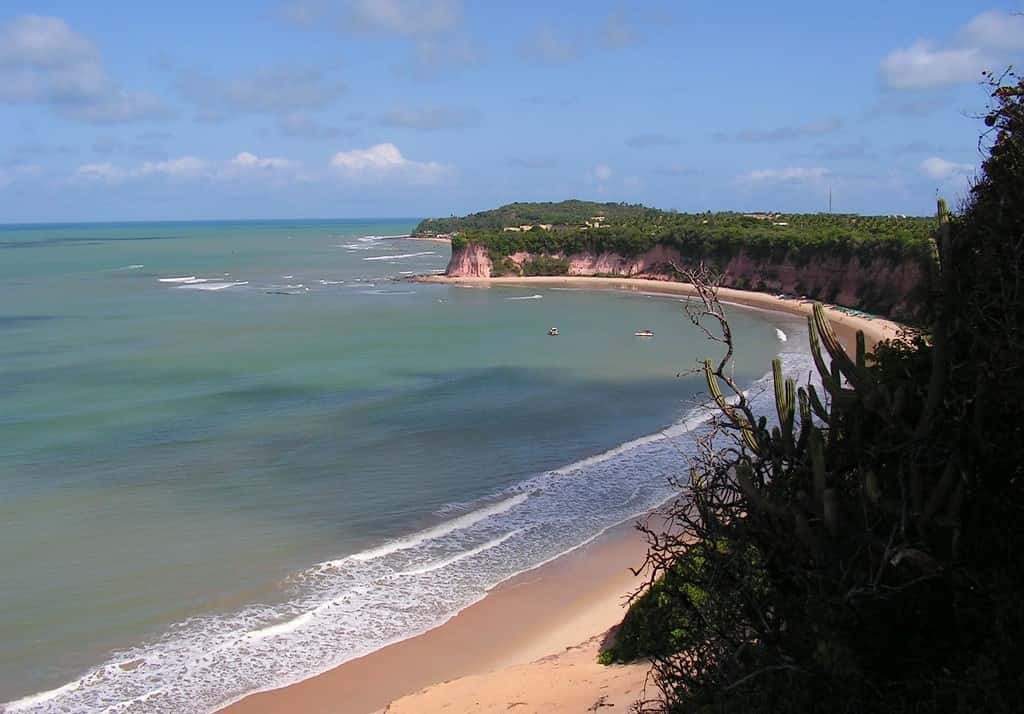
[(44, 61), (981, 44), (940, 169), (382, 162)]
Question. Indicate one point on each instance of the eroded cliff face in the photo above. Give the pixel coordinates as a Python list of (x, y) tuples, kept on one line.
[(882, 286), (470, 261)]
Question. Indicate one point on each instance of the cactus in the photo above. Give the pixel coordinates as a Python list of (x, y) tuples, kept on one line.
[(785, 405), (734, 415), (795, 472)]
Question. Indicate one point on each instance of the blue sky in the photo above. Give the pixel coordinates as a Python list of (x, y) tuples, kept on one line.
[(355, 108)]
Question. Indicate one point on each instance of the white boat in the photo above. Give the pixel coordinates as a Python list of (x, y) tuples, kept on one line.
[(553, 332), (644, 333)]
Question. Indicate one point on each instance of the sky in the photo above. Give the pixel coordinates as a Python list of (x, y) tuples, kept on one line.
[(409, 108)]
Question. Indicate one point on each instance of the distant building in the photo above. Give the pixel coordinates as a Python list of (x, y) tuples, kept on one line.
[(527, 227)]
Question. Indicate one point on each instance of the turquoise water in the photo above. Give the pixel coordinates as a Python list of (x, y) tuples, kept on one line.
[(234, 454)]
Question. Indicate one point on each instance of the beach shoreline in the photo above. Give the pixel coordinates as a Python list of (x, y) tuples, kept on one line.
[(532, 626), (846, 325), (543, 612)]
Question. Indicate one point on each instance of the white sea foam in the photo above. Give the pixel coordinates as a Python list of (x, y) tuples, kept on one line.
[(347, 607), (36, 700), (332, 282), (132, 267), (282, 628), (399, 256), (781, 335), (445, 562), (696, 417), (206, 285), (526, 297), (443, 529), (186, 279)]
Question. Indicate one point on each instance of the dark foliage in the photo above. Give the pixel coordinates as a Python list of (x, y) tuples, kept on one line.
[(860, 552), (715, 237)]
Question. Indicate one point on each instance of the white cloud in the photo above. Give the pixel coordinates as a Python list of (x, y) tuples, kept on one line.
[(41, 41), (44, 61), (100, 172), (792, 174), (997, 30), (245, 160), (183, 167), (922, 66), (382, 163), (386, 162), (405, 17), (941, 169), (986, 42)]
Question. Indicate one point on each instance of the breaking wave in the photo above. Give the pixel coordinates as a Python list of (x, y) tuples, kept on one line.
[(356, 603)]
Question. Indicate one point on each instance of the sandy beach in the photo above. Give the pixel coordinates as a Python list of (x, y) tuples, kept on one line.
[(518, 643), (846, 325), (531, 644)]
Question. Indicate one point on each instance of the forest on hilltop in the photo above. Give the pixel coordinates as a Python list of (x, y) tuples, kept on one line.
[(514, 214), (631, 230)]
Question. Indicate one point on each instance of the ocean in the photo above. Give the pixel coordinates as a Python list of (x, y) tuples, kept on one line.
[(234, 454)]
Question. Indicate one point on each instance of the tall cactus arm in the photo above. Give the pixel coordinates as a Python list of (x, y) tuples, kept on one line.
[(785, 402), (835, 349), (734, 415), (806, 421), (819, 361), (817, 405)]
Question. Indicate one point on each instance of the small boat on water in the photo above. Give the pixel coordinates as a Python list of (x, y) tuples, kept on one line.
[(644, 333), (553, 332)]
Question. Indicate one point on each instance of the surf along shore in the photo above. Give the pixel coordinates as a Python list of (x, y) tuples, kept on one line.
[(531, 644), (846, 324)]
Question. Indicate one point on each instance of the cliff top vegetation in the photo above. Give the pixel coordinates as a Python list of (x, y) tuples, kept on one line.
[(571, 227)]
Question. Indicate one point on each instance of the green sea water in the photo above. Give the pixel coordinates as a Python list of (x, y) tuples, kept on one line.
[(234, 454)]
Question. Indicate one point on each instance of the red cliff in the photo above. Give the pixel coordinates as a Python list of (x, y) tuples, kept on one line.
[(881, 285)]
